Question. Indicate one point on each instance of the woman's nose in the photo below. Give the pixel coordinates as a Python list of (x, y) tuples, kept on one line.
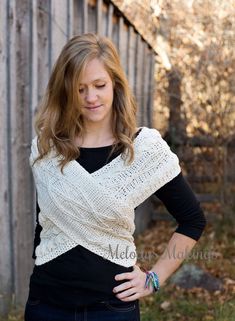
[(91, 96)]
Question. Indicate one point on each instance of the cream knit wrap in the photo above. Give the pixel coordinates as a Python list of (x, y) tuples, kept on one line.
[(96, 210)]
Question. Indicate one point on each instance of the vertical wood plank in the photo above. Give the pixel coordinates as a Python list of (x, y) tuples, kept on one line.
[(70, 17), (151, 89), (92, 17), (131, 57), (33, 90), (110, 21), (105, 19), (58, 27), (99, 17), (84, 16), (33, 65), (114, 36), (6, 280), (138, 78), (122, 42), (11, 102), (145, 73), (22, 217), (119, 34), (77, 17), (43, 24)]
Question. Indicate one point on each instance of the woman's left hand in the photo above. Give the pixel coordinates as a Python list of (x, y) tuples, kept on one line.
[(134, 288)]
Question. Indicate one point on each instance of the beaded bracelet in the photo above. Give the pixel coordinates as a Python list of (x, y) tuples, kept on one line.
[(152, 277)]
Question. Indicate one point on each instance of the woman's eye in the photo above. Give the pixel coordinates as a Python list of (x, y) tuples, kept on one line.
[(81, 90)]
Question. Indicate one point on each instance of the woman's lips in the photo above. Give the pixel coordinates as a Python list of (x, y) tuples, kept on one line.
[(93, 108)]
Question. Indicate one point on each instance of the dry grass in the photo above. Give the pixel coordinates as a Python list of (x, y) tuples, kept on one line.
[(173, 303)]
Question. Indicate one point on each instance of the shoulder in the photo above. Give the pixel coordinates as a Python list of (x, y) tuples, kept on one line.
[(35, 139), (150, 133), (34, 143), (151, 140), (33, 149)]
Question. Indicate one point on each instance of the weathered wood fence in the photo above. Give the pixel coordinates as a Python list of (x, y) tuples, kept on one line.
[(32, 33)]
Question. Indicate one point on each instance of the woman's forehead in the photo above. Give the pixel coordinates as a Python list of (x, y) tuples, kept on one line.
[(96, 79)]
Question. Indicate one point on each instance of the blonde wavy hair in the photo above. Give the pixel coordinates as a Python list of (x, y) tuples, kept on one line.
[(59, 119)]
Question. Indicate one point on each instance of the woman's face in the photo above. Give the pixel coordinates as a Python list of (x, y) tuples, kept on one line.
[(96, 92)]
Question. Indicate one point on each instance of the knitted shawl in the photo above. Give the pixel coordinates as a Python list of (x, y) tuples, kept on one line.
[(96, 210)]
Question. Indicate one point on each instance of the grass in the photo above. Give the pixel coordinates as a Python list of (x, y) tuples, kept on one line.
[(173, 303), (186, 308)]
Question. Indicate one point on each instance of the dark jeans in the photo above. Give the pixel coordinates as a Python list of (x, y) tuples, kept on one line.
[(36, 310)]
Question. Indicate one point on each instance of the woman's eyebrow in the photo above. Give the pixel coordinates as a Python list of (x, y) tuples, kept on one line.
[(103, 78)]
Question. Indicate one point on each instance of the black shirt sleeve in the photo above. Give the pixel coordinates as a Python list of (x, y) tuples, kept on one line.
[(180, 201), (37, 232)]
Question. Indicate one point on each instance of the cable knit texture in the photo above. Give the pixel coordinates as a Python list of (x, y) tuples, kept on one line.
[(96, 210)]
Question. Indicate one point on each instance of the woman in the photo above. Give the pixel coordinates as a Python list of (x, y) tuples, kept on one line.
[(92, 167)]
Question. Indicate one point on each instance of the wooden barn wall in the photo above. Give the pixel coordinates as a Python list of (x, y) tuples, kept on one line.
[(31, 36)]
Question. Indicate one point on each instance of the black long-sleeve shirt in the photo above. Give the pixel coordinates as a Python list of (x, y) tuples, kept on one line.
[(79, 276)]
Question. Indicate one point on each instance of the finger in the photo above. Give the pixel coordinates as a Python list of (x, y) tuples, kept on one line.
[(123, 276), (122, 287), (131, 298), (126, 293)]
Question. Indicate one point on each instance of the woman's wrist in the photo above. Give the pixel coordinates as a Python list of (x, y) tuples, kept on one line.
[(152, 280)]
